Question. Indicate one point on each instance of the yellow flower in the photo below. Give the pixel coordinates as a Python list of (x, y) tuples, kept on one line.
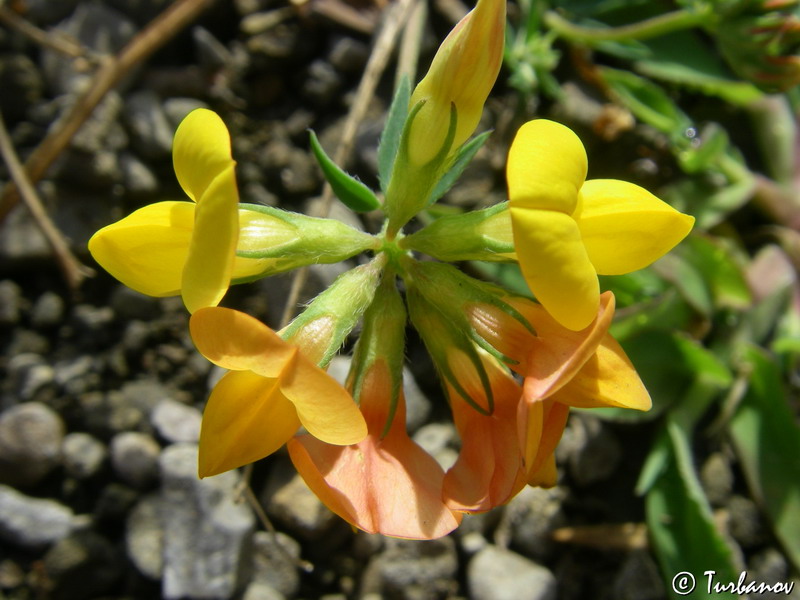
[(271, 389), (462, 74), (185, 247), (568, 230)]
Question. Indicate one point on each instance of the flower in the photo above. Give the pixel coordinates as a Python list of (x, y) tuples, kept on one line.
[(271, 389), (185, 247), (462, 75), (515, 444), (568, 230), (385, 484)]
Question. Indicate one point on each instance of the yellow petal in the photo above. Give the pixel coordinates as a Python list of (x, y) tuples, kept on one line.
[(624, 227), (546, 475), (325, 408), (550, 417), (239, 342), (147, 249), (607, 379), (236, 341), (546, 167), (201, 150), (555, 265), (246, 418), (209, 265)]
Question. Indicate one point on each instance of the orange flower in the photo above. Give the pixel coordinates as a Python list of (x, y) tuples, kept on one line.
[(386, 485), (272, 389)]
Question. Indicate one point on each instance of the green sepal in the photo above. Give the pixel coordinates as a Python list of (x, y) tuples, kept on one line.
[(441, 336), (315, 241), (458, 163), (344, 302), (484, 234), (382, 337), (392, 132), (353, 194)]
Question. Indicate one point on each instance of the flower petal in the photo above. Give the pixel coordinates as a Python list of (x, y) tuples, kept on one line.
[(488, 471), (209, 265), (555, 265), (239, 342), (555, 355), (540, 427), (607, 379), (389, 486), (246, 418), (624, 227), (546, 167), (236, 341), (147, 249), (201, 150)]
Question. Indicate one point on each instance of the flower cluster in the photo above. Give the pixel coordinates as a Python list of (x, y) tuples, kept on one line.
[(510, 367)]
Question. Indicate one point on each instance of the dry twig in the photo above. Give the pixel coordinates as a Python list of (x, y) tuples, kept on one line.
[(111, 71)]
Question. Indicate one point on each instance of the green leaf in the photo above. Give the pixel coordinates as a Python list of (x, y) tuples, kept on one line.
[(647, 101), (464, 156), (688, 280), (767, 441), (680, 521), (354, 194), (392, 132), (719, 269), (666, 312)]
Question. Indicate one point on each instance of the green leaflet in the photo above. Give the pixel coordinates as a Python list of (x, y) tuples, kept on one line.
[(353, 194), (392, 132), (462, 158)]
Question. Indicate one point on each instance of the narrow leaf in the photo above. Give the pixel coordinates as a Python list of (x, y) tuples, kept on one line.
[(767, 441), (354, 194), (392, 132)]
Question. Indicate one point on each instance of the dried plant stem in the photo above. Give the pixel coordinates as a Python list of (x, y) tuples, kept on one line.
[(60, 43), (111, 71), (74, 271), (396, 16)]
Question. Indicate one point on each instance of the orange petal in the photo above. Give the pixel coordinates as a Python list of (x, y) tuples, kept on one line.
[(556, 354), (607, 379), (488, 471), (246, 418), (389, 486), (540, 427)]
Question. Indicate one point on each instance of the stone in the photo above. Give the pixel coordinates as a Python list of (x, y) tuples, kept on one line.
[(21, 84), (275, 561), (138, 179), (176, 422), (207, 533), (151, 132), (438, 440), (497, 574), (176, 109), (716, 477), (129, 304), (745, 523), (639, 578), (321, 83), (529, 520), (134, 457), (144, 536), (30, 443), (82, 455), (413, 570), (80, 566), (33, 523), (11, 303), (590, 449), (349, 55), (47, 311), (261, 591), (29, 374)]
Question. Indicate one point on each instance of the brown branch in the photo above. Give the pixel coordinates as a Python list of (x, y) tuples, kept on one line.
[(55, 41), (111, 71), (74, 271)]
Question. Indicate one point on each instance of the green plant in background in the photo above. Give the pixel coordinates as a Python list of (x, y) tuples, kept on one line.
[(714, 327)]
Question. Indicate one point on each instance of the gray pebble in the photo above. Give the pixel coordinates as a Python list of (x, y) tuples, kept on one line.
[(129, 304), (30, 443), (11, 302), (151, 132), (81, 566), (530, 518), (134, 456), (82, 455), (349, 55), (137, 178), (716, 476), (274, 562), (176, 422), (261, 591), (639, 579), (745, 522), (144, 536), (176, 109), (438, 439), (33, 523), (497, 574), (29, 374), (207, 533), (47, 311), (321, 83), (590, 448)]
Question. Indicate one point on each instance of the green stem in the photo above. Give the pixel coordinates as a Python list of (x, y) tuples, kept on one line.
[(653, 27)]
